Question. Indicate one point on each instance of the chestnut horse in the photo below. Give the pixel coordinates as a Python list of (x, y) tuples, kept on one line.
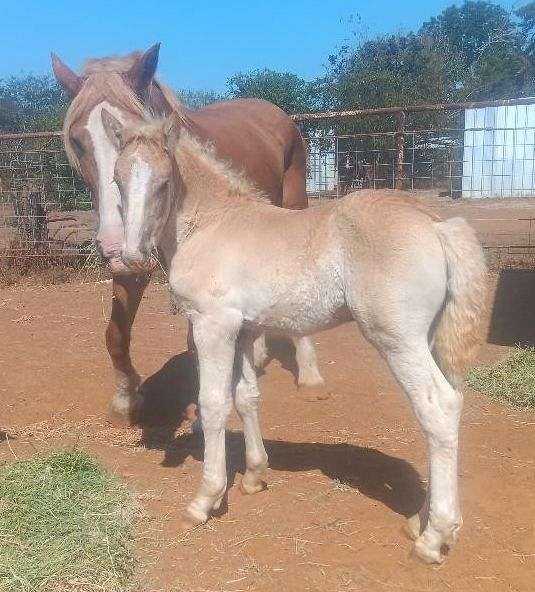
[(415, 285), (253, 136)]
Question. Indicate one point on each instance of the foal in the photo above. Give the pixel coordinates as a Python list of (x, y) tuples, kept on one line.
[(414, 284)]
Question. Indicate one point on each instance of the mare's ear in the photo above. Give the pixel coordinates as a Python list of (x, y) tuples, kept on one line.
[(171, 130), (113, 127), (67, 79), (142, 71)]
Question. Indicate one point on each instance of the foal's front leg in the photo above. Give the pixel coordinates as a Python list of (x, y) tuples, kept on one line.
[(215, 339), (127, 293)]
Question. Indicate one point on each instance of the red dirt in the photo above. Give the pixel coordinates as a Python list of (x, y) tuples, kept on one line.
[(344, 472)]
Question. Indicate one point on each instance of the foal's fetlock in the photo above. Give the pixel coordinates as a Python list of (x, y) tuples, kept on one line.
[(437, 539), (253, 478), (428, 549), (252, 482), (190, 519)]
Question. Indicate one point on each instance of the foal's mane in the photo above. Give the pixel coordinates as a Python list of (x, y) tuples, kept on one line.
[(235, 184)]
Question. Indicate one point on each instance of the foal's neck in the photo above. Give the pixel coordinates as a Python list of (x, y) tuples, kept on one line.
[(208, 183)]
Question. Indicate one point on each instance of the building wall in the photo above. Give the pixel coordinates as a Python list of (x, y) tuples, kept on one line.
[(499, 152)]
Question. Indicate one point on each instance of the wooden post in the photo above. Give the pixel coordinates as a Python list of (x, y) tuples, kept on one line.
[(400, 149)]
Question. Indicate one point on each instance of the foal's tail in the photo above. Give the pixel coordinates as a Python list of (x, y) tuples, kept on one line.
[(458, 332)]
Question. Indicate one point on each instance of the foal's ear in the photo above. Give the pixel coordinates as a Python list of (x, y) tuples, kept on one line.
[(171, 131), (113, 128)]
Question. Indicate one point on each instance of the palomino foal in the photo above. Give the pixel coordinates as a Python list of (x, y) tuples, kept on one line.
[(252, 135), (413, 283)]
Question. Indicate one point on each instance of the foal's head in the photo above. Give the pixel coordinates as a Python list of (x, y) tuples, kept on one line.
[(144, 173)]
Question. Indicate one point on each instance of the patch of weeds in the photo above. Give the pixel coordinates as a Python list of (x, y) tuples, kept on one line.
[(512, 380), (65, 525)]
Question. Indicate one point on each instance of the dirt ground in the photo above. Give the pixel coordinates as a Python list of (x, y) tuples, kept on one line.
[(344, 472)]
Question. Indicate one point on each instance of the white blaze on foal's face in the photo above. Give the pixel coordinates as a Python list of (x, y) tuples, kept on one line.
[(143, 174)]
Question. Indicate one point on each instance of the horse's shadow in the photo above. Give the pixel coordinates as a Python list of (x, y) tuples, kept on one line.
[(387, 479), (167, 394)]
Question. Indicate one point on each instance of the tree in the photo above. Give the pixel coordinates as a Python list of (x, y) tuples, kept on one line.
[(391, 71), (31, 103), (196, 99), (488, 42), (526, 15), (290, 92)]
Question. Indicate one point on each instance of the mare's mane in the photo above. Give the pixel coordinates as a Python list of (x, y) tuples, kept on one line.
[(103, 81)]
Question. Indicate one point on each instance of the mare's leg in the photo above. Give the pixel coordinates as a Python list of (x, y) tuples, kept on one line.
[(246, 398), (127, 293), (215, 341), (307, 363), (294, 197)]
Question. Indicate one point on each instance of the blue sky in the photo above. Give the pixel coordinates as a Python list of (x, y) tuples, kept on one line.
[(203, 42)]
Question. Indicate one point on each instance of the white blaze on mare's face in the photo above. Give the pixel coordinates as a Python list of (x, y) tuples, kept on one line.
[(110, 232), (137, 187)]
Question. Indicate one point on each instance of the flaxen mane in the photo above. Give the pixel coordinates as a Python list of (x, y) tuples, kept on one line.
[(103, 80), (237, 183), (102, 86)]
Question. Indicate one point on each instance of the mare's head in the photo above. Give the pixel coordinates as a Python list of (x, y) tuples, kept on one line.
[(118, 85), (146, 175)]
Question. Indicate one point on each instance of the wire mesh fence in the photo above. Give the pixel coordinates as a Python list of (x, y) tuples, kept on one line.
[(44, 205), (462, 151)]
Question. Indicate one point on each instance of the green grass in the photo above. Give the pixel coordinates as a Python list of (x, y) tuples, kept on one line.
[(65, 525), (511, 380)]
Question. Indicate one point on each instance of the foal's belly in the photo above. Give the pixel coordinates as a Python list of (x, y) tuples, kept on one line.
[(301, 305)]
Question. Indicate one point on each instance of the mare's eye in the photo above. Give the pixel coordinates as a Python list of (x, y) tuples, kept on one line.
[(77, 145)]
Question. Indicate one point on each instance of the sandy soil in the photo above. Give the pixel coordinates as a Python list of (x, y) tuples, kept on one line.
[(344, 471)]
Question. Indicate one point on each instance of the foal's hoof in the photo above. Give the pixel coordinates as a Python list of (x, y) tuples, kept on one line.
[(313, 393), (187, 521), (427, 554), (248, 487)]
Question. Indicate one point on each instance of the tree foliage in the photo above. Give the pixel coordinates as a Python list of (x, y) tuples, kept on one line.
[(290, 92), (31, 103), (474, 51), (489, 43)]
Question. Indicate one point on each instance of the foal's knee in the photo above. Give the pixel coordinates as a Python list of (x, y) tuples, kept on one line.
[(214, 414), (246, 399)]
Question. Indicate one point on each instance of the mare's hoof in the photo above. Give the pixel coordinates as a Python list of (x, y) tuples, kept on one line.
[(122, 420)]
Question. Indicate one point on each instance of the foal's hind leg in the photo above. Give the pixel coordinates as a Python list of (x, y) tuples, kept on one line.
[(246, 398), (437, 406), (127, 293)]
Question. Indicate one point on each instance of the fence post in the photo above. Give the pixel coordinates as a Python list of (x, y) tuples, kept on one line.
[(400, 149)]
